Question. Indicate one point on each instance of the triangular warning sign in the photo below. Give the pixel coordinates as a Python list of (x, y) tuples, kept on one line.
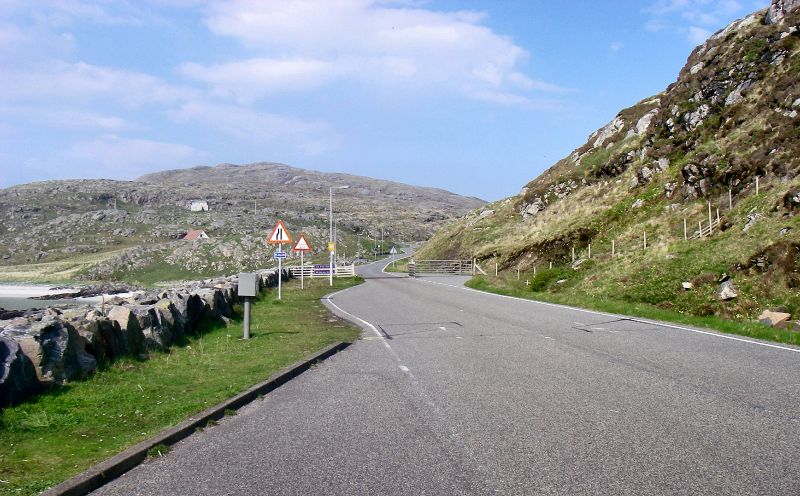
[(302, 244), (280, 234)]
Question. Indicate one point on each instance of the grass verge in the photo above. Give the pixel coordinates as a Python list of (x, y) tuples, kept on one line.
[(59, 434), (644, 310)]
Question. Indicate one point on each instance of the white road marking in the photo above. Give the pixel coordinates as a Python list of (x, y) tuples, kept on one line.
[(358, 319), (629, 318), (442, 328), (459, 337)]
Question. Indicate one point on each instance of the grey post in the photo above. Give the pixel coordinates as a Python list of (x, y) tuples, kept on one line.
[(248, 288)]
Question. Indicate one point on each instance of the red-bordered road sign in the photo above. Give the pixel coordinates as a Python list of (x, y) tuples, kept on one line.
[(302, 244), (280, 234)]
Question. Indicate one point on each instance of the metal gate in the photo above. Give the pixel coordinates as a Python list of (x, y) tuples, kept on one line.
[(444, 267)]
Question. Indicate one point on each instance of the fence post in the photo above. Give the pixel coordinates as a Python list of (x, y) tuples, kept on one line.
[(644, 233), (730, 198), (700, 227), (534, 271), (710, 222), (756, 184), (517, 273), (590, 250), (613, 248), (474, 261), (573, 253), (685, 233), (551, 264), (717, 216), (495, 269)]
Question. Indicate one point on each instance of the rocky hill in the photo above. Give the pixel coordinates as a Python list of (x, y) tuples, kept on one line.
[(720, 146), (132, 230)]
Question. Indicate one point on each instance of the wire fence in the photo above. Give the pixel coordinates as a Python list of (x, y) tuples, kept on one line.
[(692, 227)]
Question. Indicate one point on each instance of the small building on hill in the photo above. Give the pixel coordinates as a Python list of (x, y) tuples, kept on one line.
[(196, 234), (199, 206)]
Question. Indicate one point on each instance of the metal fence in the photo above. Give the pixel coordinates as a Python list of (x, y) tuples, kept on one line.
[(449, 267)]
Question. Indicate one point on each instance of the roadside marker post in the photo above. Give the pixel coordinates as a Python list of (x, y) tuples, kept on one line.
[(248, 288), (302, 246), (279, 236)]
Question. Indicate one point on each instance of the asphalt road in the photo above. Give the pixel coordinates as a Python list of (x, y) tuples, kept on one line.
[(453, 391)]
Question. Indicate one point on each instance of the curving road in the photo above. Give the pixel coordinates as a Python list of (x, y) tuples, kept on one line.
[(452, 391)]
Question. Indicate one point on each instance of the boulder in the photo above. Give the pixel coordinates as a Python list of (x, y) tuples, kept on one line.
[(156, 335), (727, 291), (531, 209), (18, 378), (169, 316), (103, 339), (132, 340), (195, 307), (774, 319), (62, 353), (686, 285), (752, 218)]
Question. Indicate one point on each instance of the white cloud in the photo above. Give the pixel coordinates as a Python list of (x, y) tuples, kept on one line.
[(82, 82), (114, 156), (261, 128), (251, 79), (308, 43), (616, 46), (697, 19), (67, 118), (698, 35)]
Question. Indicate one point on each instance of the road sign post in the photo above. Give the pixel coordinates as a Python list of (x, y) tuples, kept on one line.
[(279, 236), (302, 246)]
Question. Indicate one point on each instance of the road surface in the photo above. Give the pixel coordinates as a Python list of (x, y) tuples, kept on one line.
[(452, 391)]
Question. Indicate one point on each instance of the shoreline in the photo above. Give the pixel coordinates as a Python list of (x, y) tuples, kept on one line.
[(33, 290)]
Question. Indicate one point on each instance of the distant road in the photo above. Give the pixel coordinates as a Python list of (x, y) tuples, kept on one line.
[(452, 391)]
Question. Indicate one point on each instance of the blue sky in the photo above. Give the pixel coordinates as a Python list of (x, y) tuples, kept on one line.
[(477, 97)]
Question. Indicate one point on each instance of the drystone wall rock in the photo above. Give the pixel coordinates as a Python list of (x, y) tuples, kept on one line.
[(17, 373), (55, 346)]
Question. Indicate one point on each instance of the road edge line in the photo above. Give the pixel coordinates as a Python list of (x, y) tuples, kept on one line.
[(337, 310), (114, 467)]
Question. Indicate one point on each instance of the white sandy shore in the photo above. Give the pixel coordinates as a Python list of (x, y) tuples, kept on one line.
[(31, 291)]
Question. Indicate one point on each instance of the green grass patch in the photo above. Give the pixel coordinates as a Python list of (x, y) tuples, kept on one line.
[(56, 435), (636, 309), (398, 266)]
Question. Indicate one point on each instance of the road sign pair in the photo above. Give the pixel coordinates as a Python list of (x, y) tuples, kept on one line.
[(280, 235)]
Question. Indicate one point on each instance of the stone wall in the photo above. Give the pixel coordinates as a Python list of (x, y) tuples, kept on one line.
[(58, 345)]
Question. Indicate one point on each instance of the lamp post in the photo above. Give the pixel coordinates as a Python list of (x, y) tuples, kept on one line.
[(330, 208)]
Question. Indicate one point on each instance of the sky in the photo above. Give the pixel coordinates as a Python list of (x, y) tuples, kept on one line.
[(476, 97)]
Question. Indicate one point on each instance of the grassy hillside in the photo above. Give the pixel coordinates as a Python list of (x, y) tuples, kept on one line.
[(731, 120)]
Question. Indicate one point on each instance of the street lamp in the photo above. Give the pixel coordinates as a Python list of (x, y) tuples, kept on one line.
[(330, 208)]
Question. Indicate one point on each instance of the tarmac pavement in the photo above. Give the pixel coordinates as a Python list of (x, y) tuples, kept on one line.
[(453, 391)]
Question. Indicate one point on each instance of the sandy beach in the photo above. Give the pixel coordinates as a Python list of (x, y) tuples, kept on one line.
[(31, 291)]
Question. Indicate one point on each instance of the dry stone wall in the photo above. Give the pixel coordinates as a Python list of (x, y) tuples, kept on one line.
[(58, 345)]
